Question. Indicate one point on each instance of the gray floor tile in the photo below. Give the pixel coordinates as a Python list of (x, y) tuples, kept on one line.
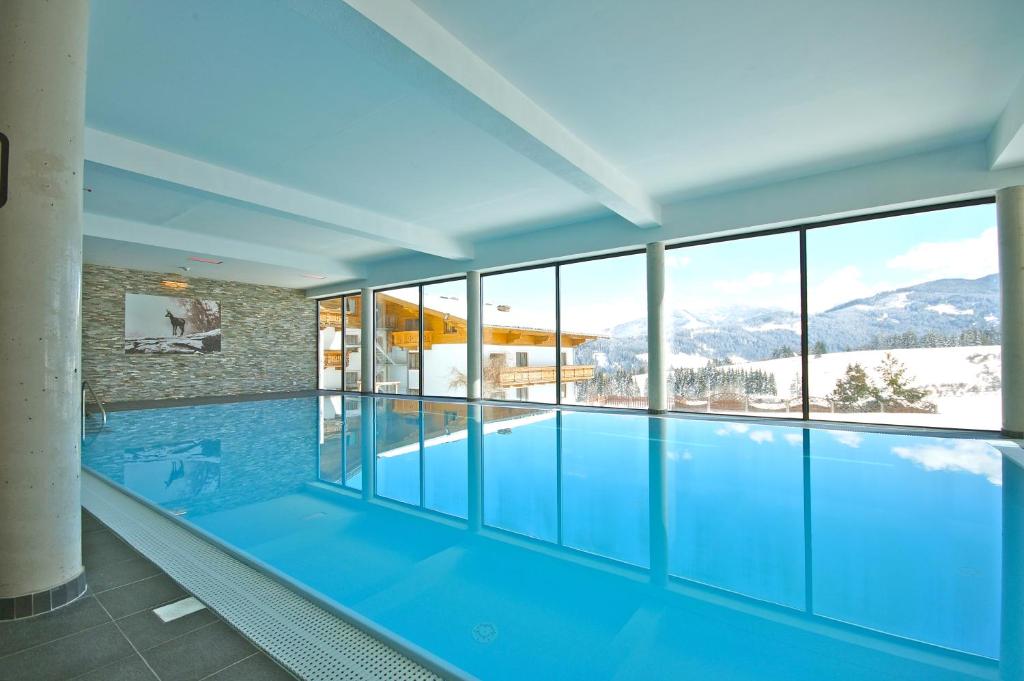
[(199, 653), (21, 634), (145, 630), (103, 547), (131, 668), (259, 667), (147, 594), (89, 522), (120, 573), (67, 657)]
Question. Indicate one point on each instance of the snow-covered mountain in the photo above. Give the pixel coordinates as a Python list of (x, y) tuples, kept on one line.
[(942, 310)]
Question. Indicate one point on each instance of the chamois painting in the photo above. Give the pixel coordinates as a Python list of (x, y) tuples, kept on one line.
[(166, 325)]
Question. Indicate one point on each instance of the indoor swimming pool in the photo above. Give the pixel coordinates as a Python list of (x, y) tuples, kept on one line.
[(507, 542)]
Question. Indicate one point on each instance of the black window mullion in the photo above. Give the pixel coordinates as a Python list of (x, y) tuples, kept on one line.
[(558, 335), (422, 357), (805, 379)]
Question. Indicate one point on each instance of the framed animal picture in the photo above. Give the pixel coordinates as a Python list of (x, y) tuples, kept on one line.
[(169, 325)]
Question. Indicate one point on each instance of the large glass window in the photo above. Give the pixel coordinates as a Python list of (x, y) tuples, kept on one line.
[(904, 320), (397, 341), (329, 344), (519, 336), (604, 332), (444, 339), (352, 310), (735, 326)]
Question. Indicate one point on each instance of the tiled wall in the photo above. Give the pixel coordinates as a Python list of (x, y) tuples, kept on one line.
[(268, 344)]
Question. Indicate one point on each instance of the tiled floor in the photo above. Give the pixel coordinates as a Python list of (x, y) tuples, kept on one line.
[(111, 633)]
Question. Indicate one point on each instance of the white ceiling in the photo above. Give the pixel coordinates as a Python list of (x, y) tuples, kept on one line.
[(559, 112)]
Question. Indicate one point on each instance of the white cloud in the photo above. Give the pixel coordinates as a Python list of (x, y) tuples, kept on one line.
[(730, 428), (762, 436), (676, 260), (843, 285), (966, 258), (847, 437), (971, 456)]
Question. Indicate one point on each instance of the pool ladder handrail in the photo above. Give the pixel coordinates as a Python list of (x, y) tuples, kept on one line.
[(88, 390)]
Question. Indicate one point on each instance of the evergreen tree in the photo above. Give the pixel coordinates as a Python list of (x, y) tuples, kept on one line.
[(896, 389), (819, 349), (853, 389)]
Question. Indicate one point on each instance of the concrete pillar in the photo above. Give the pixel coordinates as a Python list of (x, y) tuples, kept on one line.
[(366, 341), (1010, 206), (657, 331), (474, 337), (42, 113)]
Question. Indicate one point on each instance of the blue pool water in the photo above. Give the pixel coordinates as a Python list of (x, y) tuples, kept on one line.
[(515, 542)]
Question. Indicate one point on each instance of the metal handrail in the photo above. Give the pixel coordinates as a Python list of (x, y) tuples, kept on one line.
[(95, 397)]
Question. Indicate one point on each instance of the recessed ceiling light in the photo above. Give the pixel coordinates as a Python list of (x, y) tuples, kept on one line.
[(196, 258), (314, 276)]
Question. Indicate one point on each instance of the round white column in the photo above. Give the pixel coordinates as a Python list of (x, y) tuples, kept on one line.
[(366, 341), (1010, 206), (474, 336), (42, 113), (657, 332)]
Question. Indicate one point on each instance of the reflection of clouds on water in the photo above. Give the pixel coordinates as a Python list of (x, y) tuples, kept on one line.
[(758, 436), (847, 437), (794, 438), (971, 456), (730, 428)]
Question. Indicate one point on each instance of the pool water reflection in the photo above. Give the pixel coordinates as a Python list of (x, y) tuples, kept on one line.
[(600, 545)]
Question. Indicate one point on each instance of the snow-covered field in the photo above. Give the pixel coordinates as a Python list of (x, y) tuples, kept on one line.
[(958, 380)]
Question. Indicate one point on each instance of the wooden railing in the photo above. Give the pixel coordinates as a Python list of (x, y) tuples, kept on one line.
[(409, 340), (520, 377)]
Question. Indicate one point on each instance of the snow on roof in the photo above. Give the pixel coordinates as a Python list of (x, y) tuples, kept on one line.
[(494, 316)]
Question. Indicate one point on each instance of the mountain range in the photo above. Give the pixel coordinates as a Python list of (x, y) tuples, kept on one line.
[(943, 308)]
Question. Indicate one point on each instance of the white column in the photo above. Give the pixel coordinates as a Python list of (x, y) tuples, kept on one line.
[(42, 113), (657, 332), (474, 336), (1010, 206), (366, 341)]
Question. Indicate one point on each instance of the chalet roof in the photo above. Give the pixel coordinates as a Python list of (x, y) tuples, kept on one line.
[(455, 308)]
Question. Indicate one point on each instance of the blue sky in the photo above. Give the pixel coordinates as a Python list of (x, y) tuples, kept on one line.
[(844, 262)]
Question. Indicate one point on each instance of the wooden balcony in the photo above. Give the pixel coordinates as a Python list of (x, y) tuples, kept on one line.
[(409, 340), (521, 377)]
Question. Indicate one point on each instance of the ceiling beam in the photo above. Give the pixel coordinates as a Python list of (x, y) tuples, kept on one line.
[(1006, 143), (124, 154), (117, 229), (407, 41)]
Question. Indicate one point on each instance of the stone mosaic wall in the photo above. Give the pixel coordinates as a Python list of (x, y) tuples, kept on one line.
[(269, 340)]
